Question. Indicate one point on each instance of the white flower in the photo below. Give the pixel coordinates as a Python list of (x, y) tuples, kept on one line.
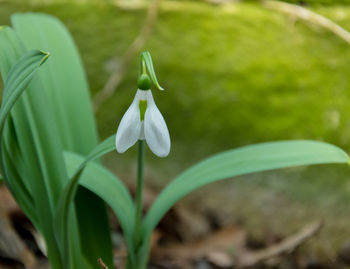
[(153, 128)]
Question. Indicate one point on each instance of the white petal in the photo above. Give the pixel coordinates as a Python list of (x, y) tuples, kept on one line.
[(130, 126), (156, 131)]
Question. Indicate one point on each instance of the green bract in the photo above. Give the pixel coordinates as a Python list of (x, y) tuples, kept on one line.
[(146, 65), (49, 151)]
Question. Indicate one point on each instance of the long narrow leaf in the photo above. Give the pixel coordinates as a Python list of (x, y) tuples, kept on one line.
[(104, 184), (36, 136), (24, 199), (146, 56), (13, 168), (67, 88), (64, 78), (67, 196), (18, 79), (244, 160)]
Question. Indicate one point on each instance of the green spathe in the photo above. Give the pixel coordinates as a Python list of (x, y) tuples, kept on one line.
[(146, 65)]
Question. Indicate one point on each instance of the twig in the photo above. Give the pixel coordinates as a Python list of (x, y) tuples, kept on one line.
[(101, 264), (218, 2), (286, 246), (307, 15), (118, 74)]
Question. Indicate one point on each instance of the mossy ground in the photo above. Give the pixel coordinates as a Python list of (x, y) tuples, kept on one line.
[(234, 75)]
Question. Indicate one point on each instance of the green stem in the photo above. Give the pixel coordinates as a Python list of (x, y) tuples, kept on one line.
[(139, 190)]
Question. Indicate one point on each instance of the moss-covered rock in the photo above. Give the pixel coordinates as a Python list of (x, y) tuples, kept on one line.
[(318, 2), (240, 74), (234, 75)]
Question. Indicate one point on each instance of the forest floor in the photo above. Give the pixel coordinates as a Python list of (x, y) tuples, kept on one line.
[(250, 222)]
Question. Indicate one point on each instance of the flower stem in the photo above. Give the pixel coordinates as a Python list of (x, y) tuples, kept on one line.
[(139, 190)]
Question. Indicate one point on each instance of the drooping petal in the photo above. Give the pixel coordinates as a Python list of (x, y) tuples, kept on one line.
[(156, 131), (130, 126)]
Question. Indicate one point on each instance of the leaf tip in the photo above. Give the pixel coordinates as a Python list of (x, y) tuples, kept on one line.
[(47, 55)]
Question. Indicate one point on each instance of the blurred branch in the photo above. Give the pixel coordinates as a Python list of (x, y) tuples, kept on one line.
[(219, 2), (118, 74), (310, 16), (288, 245), (101, 264)]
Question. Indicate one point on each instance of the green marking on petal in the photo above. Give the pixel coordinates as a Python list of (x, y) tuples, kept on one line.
[(143, 107)]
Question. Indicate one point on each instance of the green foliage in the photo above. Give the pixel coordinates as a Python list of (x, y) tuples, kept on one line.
[(39, 125), (76, 123), (39, 158), (41, 31), (110, 189), (244, 160), (18, 79), (69, 193)]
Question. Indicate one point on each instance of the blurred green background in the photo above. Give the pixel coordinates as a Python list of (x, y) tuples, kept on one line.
[(234, 74)]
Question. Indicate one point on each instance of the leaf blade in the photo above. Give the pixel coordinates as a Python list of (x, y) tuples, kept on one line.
[(42, 158), (68, 92), (244, 160), (18, 79), (110, 189), (69, 192)]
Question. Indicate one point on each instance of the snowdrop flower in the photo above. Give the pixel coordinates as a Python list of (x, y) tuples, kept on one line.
[(143, 121)]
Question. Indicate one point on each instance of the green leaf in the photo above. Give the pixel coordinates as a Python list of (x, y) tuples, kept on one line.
[(244, 160), (104, 184), (64, 79), (94, 244), (12, 166), (67, 196), (18, 79), (67, 89), (35, 135), (16, 82)]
